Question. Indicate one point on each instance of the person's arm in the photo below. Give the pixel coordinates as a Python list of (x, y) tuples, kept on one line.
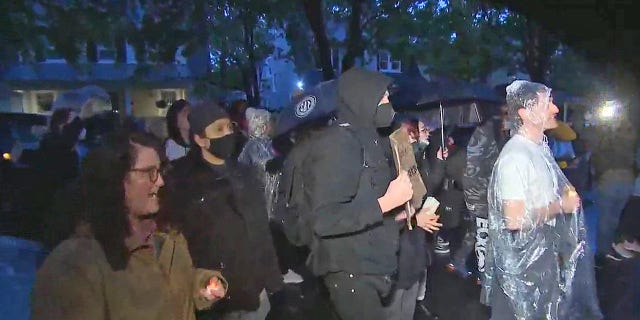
[(515, 214), (513, 178), (268, 257), (510, 187)]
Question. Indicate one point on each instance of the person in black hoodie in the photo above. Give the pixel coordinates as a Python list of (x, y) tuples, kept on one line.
[(220, 208), (482, 152), (350, 199)]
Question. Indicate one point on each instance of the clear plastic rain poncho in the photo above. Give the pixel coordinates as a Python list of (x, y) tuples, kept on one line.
[(258, 150), (539, 265)]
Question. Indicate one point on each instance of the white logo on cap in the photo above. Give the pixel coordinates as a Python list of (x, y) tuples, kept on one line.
[(305, 106)]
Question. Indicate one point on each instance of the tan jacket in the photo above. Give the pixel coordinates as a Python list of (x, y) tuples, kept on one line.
[(77, 282)]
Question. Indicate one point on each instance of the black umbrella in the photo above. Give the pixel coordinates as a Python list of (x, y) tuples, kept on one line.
[(455, 93), (316, 103), (408, 88)]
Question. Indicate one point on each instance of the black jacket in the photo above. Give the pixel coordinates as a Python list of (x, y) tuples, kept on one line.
[(222, 214), (451, 196), (482, 152), (58, 163), (414, 254), (431, 171), (344, 170), (55, 166)]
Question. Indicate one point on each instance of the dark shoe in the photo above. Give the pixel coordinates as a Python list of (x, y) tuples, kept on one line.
[(425, 313)]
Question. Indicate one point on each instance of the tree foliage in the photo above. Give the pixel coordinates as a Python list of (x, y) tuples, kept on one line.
[(242, 37), (466, 39), (21, 34)]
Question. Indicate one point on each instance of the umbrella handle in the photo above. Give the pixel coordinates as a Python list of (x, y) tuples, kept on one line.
[(442, 127)]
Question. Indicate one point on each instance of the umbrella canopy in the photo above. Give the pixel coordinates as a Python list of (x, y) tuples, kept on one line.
[(463, 102), (408, 87), (454, 115), (94, 91), (89, 96), (316, 103), (457, 93), (71, 100)]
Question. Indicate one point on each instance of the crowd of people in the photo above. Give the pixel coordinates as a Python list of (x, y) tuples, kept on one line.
[(214, 220)]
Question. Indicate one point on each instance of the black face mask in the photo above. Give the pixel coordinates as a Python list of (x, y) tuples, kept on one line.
[(223, 147), (384, 116)]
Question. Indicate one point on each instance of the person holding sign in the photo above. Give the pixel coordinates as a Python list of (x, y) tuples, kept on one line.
[(413, 258), (353, 194)]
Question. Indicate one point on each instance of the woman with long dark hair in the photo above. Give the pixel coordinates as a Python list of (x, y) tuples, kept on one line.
[(123, 268)]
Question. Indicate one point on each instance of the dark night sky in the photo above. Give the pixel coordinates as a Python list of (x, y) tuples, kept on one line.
[(604, 30)]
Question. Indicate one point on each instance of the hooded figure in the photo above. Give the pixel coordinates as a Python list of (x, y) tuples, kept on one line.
[(482, 152), (539, 265), (347, 173), (258, 150)]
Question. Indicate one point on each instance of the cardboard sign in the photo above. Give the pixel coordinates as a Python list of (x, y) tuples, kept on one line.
[(405, 160)]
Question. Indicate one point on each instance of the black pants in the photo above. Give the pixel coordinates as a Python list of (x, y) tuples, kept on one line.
[(467, 244), (289, 256), (358, 297)]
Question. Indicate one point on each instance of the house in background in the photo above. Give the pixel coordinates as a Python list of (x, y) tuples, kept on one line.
[(134, 88), (279, 79)]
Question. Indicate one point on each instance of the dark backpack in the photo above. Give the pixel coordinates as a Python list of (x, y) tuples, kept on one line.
[(291, 206), (292, 209)]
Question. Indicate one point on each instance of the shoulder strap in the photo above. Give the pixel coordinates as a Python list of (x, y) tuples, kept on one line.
[(357, 138)]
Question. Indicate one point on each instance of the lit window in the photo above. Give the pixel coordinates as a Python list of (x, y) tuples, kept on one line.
[(387, 64), (107, 55), (168, 96), (44, 100)]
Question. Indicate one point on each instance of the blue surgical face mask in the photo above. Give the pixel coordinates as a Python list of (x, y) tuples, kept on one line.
[(424, 142)]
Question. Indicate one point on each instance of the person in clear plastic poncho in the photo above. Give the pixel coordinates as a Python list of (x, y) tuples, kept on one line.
[(258, 150), (539, 265)]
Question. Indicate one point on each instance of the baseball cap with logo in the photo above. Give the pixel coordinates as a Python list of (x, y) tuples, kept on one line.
[(318, 102)]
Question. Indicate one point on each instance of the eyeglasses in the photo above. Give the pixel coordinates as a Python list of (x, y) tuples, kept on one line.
[(153, 172)]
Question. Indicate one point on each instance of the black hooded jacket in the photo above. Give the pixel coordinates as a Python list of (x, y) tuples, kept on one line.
[(345, 172)]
